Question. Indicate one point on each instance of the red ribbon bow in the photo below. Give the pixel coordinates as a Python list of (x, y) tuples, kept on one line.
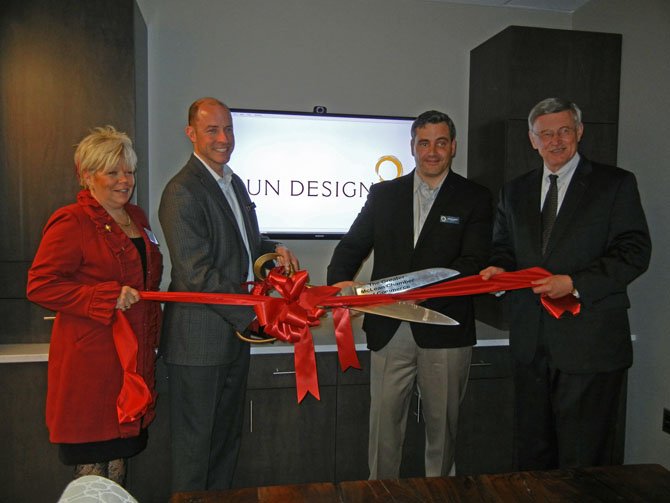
[(289, 317)]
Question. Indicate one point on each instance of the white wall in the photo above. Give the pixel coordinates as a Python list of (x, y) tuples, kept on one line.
[(644, 149), (401, 57), (387, 57)]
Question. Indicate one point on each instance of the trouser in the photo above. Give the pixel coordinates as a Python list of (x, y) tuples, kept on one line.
[(441, 376), (206, 414), (564, 420)]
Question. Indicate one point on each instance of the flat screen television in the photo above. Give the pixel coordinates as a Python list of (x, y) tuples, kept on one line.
[(309, 173)]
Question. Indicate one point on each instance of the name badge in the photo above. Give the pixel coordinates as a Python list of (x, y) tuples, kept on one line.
[(446, 219), (151, 236)]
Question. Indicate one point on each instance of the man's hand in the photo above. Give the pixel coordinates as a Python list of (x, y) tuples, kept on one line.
[(490, 271), (286, 258), (554, 287)]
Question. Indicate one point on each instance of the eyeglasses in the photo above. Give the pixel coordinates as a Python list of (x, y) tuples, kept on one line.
[(548, 135)]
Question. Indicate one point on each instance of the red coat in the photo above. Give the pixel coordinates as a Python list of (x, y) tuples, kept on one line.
[(82, 262)]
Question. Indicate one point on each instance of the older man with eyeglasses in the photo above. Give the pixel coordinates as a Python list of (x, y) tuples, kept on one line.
[(583, 222)]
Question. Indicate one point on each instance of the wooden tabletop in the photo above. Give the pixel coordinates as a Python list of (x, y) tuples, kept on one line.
[(628, 483)]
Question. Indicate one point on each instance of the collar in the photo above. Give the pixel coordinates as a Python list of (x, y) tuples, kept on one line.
[(105, 226), (421, 186), (564, 171), (227, 177)]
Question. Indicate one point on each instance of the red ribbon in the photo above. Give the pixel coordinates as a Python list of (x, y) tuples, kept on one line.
[(299, 307), (344, 337), (135, 397), (472, 285)]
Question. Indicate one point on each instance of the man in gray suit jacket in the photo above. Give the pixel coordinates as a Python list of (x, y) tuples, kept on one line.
[(568, 372), (212, 234)]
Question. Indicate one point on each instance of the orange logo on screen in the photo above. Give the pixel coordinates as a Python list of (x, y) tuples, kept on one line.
[(393, 160)]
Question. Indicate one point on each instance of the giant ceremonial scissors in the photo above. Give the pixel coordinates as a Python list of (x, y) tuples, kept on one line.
[(401, 310)]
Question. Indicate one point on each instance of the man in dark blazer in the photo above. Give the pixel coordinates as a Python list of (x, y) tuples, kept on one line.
[(212, 234), (569, 372), (431, 217)]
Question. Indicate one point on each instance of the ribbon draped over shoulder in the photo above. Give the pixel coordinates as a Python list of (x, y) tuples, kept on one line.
[(297, 306)]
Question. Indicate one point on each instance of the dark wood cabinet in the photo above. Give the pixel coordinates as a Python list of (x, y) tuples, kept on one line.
[(284, 442), (29, 467), (485, 429), (352, 421), (327, 440), (509, 74)]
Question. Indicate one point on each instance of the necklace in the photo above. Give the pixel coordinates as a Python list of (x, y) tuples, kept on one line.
[(127, 224)]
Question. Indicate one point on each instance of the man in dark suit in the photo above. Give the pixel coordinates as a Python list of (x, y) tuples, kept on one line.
[(431, 217), (212, 234), (569, 372)]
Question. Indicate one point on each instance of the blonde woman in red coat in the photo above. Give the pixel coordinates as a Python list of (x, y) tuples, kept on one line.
[(94, 258)]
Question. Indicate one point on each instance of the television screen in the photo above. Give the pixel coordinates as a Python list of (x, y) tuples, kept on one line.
[(309, 174)]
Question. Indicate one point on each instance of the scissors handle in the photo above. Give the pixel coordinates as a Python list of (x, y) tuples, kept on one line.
[(263, 259), (259, 273)]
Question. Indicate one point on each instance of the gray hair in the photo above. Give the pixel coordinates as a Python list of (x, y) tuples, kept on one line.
[(552, 106)]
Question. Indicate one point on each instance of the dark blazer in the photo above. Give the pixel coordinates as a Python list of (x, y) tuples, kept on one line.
[(600, 238), (207, 255), (456, 234)]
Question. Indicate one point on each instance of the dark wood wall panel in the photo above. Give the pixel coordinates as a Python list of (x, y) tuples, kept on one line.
[(65, 67)]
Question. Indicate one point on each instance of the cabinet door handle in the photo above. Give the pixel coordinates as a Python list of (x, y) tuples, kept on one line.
[(251, 416), (278, 372), (49, 318), (481, 364)]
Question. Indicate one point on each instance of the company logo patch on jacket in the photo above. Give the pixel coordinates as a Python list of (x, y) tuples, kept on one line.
[(448, 219)]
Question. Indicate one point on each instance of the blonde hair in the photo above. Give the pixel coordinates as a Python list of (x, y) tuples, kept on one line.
[(103, 148)]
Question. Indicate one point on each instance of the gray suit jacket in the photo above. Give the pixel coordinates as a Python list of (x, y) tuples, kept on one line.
[(207, 255)]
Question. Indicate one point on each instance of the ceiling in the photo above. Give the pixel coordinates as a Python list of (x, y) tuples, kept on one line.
[(568, 6)]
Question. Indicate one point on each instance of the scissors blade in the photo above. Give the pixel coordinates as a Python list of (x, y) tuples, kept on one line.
[(408, 312), (403, 283)]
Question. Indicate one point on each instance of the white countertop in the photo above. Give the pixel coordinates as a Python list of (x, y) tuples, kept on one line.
[(21, 353), (323, 341)]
